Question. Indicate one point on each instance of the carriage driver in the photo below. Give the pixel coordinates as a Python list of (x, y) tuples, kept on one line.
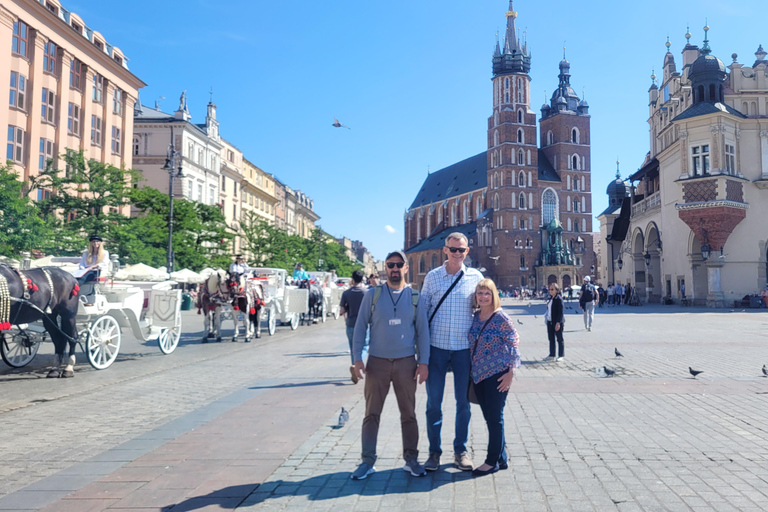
[(95, 260), (239, 267), (299, 273)]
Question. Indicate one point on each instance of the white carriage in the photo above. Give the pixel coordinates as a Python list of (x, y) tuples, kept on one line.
[(331, 293), (152, 310), (284, 303)]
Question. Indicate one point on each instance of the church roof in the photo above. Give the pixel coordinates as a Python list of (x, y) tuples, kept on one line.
[(437, 240), (462, 177), (704, 108), (546, 171)]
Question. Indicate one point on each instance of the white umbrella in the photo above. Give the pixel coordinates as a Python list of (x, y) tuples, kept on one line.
[(142, 272), (206, 273), (186, 276)]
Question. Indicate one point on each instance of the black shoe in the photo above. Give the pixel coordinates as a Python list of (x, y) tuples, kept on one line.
[(479, 472), (503, 465)]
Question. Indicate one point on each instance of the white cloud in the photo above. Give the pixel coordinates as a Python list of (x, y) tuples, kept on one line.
[(390, 229)]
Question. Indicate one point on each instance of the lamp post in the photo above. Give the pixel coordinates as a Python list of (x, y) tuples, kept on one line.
[(647, 257), (620, 263), (171, 166), (705, 252)]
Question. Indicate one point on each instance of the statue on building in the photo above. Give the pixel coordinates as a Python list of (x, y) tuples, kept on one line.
[(183, 100)]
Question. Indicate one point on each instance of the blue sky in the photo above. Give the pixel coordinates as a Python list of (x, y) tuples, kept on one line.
[(412, 80)]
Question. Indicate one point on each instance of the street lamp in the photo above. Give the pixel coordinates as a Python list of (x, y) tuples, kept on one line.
[(172, 159), (647, 257), (705, 252), (620, 263)]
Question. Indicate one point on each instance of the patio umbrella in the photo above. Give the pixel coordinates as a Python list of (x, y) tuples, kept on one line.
[(186, 276)]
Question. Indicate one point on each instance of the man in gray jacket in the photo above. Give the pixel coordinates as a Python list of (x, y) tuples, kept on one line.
[(398, 354)]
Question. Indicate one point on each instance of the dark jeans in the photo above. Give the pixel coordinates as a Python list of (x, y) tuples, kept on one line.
[(492, 404), (552, 334), (379, 374), (438, 368)]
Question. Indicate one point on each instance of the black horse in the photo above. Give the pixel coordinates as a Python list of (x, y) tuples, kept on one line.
[(315, 300), (50, 294)]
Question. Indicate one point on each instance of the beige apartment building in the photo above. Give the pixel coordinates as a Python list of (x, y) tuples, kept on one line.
[(68, 89), (690, 223), (258, 192), (231, 189)]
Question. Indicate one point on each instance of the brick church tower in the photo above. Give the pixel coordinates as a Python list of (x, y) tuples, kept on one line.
[(510, 233)]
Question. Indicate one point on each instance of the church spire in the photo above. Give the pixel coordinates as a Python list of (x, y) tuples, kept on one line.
[(511, 44), (513, 58)]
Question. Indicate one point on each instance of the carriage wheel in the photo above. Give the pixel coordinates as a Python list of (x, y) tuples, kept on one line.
[(294, 322), (19, 350), (271, 321), (169, 338), (103, 342), (323, 312)]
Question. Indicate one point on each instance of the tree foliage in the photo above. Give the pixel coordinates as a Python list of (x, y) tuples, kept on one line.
[(22, 227)]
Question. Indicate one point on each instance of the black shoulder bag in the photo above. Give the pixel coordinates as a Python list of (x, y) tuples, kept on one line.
[(471, 395), (455, 282)]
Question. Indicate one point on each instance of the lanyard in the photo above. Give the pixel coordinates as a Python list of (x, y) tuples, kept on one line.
[(394, 303)]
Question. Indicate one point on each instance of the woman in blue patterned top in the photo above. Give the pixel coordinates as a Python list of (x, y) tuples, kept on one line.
[(494, 343)]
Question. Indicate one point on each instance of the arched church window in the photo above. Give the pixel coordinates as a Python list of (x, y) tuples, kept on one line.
[(496, 138), (520, 137), (575, 136), (521, 201), (575, 163), (549, 205), (422, 265), (522, 261), (550, 138), (496, 201), (434, 261), (519, 116), (521, 179), (520, 158)]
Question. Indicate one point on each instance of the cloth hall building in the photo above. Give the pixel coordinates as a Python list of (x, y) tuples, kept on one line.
[(525, 202)]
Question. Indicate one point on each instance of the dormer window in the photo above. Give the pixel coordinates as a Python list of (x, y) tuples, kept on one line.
[(98, 44), (77, 28), (52, 8)]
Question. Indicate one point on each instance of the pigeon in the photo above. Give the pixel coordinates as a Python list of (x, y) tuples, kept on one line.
[(765, 371), (534, 316), (616, 351), (608, 371), (518, 321), (337, 124), (529, 304), (343, 417), (694, 372)]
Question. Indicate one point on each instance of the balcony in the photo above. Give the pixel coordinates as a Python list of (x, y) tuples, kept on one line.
[(649, 204)]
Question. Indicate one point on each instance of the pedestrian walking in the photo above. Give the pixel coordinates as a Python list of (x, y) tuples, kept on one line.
[(447, 297), (587, 301), (600, 295), (373, 280), (398, 355), (610, 292), (555, 323), (349, 307), (494, 344), (619, 294)]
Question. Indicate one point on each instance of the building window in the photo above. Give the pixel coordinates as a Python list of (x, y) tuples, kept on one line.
[(135, 146), (550, 138), (575, 163), (116, 140), (521, 179), (76, 70), (700, 160), (73, 119), (520, 136), (20, 38), (521, 201), (15, 149), (49, 58), (576, 205), (47, 109), (200, 157), (520, 158), (230, 155), (118, 59), (496, 202), (575, 136), (223, 184), (522, 223), (98, 88), (18, 90), (117, 102), (190, 150), (549, 206), (46, 153), (77, 28), (730, 159), (519, 116), (96, 130)]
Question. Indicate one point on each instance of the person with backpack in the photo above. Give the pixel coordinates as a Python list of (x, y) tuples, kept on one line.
[(398, 355), (587, 301)]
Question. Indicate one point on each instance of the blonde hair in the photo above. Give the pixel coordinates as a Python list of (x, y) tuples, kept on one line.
[(92, 257), (487, 284), (555, 286)]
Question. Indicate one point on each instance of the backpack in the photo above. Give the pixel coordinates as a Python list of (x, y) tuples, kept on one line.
[(377, 293), (588, 294)]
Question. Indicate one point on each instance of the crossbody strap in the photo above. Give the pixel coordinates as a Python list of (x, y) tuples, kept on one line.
[(455, 282), (477, 340)]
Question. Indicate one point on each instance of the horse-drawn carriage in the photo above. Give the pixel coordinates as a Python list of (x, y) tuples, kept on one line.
[(331, 294), (152, 310), (284, 303), (236, 297)]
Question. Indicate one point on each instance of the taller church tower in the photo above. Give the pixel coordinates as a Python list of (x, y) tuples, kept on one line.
[(512, 166)]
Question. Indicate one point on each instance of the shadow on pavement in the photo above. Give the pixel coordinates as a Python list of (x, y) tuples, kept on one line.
[(318, 354), (303, 384)]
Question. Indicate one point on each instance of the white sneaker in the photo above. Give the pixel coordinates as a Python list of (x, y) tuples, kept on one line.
[(559, 359)]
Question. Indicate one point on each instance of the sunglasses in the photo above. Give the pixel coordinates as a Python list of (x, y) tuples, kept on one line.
[(392, 264), (462, 250)]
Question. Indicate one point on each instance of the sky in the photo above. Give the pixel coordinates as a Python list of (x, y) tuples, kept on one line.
[(411, 79)]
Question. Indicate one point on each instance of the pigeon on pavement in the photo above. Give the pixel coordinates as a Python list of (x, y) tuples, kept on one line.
[(616, 351), (343, 418), (765, 371), (518, 321), (608, 371), (694, 372)]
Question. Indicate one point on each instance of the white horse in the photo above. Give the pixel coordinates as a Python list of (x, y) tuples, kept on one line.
[(213, 295)]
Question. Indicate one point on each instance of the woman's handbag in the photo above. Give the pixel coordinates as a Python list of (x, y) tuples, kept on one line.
[(471, 395)]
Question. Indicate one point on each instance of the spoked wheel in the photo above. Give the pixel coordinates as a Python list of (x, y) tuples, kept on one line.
[(294, 322), (18, 349), (271, 321), (169, 338), (103, 343)]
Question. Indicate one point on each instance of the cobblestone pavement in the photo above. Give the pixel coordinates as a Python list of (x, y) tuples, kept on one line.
[(649, 438)]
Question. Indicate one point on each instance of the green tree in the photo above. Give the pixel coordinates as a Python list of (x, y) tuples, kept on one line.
[(22, 227), (87, 198)]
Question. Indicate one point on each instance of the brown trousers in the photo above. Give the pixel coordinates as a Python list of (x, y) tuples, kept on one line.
[(379, 373)]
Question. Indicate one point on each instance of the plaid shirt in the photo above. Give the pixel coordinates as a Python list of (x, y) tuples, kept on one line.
[(451, 324)]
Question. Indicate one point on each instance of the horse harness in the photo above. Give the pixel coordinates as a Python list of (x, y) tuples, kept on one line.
[(28, 288)]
